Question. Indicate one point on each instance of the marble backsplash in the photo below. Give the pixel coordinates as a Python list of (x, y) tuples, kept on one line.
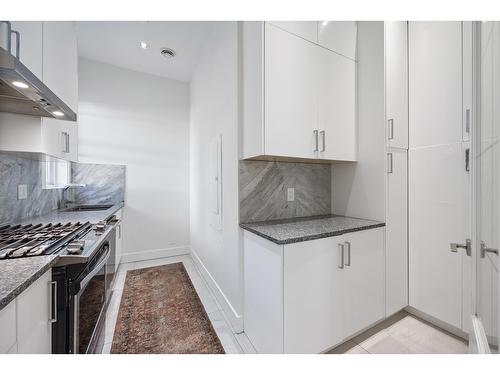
[(15, 170), (263, 190), (105, 184)]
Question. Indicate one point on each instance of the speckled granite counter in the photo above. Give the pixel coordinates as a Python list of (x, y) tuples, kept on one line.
[(288, 231), (18, 274), (66, 216)]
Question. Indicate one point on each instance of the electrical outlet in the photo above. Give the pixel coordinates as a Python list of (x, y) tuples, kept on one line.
[(290, 194), (22, 191)]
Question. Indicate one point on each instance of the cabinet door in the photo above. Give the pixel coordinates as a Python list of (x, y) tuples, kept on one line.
[(34, 331), (396, 77), (337, 106), (8, 327), (304, 29), (339, 36), (313, 296), (30, 45), (363, 279), (291, 97), (396, 258), (69, 135)]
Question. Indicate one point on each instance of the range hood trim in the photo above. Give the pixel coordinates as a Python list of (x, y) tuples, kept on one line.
[(37, 95)]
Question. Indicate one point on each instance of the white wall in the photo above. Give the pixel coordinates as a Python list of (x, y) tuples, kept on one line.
[(214, 111), (358, 188), (141, 121)]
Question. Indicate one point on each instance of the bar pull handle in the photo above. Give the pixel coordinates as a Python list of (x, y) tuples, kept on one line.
[(53, 301), (323, 146), (316, 141), (348, 258), (18, 42), (390, 129), (467, 120), (341, 256), (389, 162), (467, 159), (65, 142)]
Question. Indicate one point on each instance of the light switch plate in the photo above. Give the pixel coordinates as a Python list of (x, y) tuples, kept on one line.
[(22, 191), (290, 194)]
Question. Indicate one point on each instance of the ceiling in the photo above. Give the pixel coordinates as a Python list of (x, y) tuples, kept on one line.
[(117, 43)]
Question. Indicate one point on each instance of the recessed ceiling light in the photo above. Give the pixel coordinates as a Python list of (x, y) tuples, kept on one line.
[(58, 113), (168, 53), (144, 45), (20, 84)]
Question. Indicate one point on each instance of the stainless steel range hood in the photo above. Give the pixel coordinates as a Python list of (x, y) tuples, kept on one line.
[(22, 92)]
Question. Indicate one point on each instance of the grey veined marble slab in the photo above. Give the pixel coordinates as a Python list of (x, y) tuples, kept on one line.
[(105, 183), (288, 231), (16, 275)]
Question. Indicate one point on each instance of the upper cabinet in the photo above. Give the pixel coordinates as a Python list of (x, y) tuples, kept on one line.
[(339, 36), (396, 83), (299, 98), (49, 50)]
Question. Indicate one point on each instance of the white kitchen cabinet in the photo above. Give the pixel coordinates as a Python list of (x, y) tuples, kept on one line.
[(25, 322), (34, 329), (396, 83), (304, 29), (49, 49), (336, 107), (308, 297), (339, 36), (291, 96), (299, 99), (313, 296), (396, 226), (8, 327)]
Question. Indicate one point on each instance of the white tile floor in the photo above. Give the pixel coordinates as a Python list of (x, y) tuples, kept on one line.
[(403, 334), (232, 343)]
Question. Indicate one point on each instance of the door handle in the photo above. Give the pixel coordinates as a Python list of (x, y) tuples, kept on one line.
[(316, 142), (341, 256), (467, 120), (390, 129), (53, 301), (348, 247), (323, 147), (467, 159), (65, 142), (485, 250), (467, 247), (389, 162)]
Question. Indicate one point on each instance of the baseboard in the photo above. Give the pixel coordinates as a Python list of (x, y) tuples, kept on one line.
[(234, 319), (438, 323), (154, 254)]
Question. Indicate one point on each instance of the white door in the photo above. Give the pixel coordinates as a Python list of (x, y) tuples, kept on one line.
[(291, 94), (337, 106), (313, 295), (396, 257), (396, 82), (437, 172), (487, 137), (363, 279)]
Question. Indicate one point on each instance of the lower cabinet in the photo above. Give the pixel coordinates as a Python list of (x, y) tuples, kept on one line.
[(310, 296), (27, 320)]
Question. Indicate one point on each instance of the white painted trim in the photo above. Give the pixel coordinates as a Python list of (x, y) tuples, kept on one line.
[(154, 254), (235, 320), (437, 322)]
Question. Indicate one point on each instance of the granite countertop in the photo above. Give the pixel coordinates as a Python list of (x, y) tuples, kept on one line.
[(18, 274), (74, 216), (300, 229)]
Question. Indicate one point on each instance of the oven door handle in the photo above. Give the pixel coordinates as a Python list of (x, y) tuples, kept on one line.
[(96, 269)]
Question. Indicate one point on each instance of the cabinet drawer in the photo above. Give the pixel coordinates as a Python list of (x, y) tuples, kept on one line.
[(8, 327)]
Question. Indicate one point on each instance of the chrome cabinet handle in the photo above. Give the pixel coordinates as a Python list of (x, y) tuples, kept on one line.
[(467, 247), (485, 250), (316, 146), (467, 120), (467, 159), (348, 247), (323, 146), (18, 42), (389, 162), (341, 256), (390, 129), (53, 302), (65, 142)]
